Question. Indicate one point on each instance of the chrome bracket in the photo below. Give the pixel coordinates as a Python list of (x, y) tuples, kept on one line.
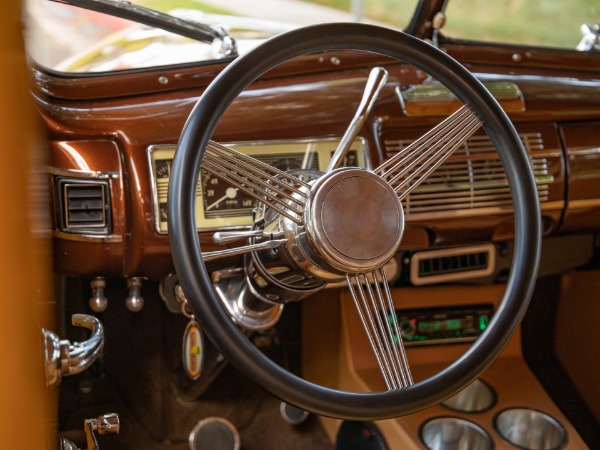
[(590, 41)]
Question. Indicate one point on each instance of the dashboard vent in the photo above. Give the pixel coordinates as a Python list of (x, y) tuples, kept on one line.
[(452, 264), (83, 206), (473, 177)]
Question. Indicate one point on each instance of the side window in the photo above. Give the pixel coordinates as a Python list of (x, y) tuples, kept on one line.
[(546, 23)]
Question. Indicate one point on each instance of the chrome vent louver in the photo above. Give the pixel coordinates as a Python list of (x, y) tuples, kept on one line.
[(472, 178), (83, 206)]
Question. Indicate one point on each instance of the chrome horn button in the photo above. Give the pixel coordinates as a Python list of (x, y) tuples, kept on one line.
[(354, 220)]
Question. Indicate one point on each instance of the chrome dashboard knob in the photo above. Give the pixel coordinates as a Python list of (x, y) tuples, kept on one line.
[(98, 302), (135, 301)]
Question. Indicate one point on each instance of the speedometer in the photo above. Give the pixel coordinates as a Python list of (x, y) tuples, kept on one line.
[(220, 199)]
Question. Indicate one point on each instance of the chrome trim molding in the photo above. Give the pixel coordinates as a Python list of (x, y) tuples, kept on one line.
[(110, 239), (92, 174), (433, 99), (594, 151)]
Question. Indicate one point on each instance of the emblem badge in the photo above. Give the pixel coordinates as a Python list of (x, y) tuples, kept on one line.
[(193, 350)]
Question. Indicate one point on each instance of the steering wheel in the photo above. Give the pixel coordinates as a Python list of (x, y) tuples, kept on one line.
[(307, 214)]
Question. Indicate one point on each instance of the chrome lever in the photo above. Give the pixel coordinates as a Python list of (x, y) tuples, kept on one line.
[(61, 358), (267, 245), (225, 237), (377, 79)]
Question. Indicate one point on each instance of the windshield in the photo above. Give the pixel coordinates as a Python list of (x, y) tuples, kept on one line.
[(72, 39)]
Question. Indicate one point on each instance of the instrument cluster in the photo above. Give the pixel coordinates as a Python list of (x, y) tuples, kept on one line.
[(220, 205)]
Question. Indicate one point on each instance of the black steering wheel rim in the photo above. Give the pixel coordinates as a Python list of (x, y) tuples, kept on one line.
[(196, 281)]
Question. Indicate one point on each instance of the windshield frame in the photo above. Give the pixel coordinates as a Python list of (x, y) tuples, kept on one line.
[(150, 17)]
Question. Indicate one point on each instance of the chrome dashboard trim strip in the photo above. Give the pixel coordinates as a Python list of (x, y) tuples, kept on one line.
[(594, 151), (92, 174), (110, 239), (425, 98)]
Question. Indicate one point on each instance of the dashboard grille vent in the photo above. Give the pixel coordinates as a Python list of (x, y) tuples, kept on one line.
[(84, 206), (452, 264), (473, 177)]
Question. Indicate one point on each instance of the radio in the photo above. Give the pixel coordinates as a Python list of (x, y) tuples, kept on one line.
[(443, 325)]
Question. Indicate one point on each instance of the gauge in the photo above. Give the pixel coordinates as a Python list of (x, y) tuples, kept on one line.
[(221, 199), (163, 168)]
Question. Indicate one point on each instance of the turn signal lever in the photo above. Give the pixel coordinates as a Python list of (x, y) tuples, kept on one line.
[(61, 358), (108, 423)]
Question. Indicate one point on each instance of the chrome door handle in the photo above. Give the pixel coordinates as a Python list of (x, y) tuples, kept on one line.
[(62, 358)]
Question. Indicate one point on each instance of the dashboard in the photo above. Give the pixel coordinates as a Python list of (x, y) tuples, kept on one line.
[(466, 202), (113, 138)]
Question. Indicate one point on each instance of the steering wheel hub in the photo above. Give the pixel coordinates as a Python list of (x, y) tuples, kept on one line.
[(354, 220)]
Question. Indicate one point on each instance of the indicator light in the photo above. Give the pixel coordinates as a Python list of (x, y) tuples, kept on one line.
[(484, 319)]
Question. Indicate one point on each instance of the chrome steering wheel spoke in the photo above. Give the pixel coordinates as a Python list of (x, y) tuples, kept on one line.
[(373, 300), (410, 167), (275, 188)]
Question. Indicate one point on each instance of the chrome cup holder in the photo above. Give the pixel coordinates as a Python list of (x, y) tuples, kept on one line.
[(530, 429), (476, 397), (451, 433)]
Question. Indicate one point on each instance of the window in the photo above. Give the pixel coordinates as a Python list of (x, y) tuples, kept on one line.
[(552, 23)]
